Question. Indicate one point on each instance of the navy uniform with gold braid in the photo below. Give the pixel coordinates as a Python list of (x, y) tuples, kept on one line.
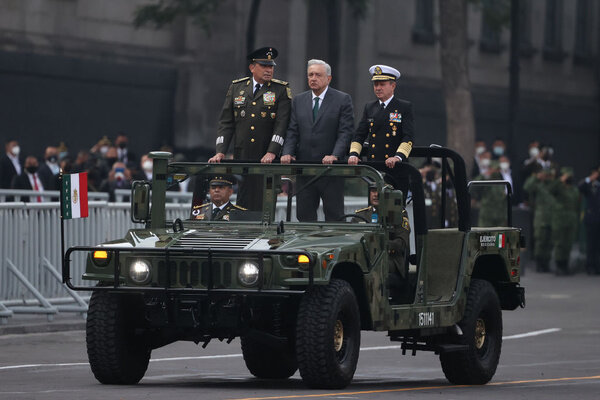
[(389, 131)]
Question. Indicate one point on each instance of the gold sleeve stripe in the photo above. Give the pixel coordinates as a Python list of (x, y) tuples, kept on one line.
[(355, 147), (405, 148)]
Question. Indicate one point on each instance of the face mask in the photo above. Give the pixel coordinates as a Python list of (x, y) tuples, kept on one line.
[(110, 161), (485, 162), (504, 166), (569, 180), (479, 150), (534, 151), (103, 150), (122, 145), (63, 154), (32, 169), (52, 159), (16, 150), (498, 150), (147, 165)]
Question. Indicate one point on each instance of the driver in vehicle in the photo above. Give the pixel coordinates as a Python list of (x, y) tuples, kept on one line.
[(397, 248), (219, 207)]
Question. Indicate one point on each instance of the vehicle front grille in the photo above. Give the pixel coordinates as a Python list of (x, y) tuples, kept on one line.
[(194, 273), (214, 241)]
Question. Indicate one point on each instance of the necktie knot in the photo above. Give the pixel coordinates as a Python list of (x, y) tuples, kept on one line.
[(256, 88), (215, 211)]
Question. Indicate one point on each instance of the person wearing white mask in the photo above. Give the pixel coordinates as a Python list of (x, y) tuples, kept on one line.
[(479, 150), (147, 164), (50, 169), (498, 149), (10, 163)]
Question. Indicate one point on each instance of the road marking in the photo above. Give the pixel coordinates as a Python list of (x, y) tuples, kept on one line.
[(413, 389), (9, 367), (534, 333)]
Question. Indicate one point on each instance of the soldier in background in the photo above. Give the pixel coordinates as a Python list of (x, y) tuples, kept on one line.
[(565, 218), (255, 117), (491, 198), (590, 188), (539, 188)]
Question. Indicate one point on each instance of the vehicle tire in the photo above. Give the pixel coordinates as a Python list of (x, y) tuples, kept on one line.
[(328, 335), (482, 333), (115, 353), (268, 362)]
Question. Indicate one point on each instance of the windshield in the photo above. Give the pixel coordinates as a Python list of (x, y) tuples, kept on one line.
[(311, 194)]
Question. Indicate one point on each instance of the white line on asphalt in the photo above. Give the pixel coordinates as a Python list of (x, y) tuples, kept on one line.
[(9, 367), (534, 333)]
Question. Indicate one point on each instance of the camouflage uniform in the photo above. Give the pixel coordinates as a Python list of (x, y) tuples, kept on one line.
[(565, 218), (492, 203), (540, 194), (256, 124)]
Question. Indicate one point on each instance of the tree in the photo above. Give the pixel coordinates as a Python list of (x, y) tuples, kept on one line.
[(460, 120)]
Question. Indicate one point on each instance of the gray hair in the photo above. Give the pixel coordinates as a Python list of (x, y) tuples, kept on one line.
[(320, 62)]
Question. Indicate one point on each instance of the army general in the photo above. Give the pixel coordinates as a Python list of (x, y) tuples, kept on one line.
[(255, 116), (386, 124)]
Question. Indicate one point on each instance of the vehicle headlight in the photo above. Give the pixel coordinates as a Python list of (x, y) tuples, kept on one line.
[(139, 271), (248, 273)]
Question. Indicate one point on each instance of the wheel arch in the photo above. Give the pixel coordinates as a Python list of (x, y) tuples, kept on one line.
[(352, 274), (492, 268)]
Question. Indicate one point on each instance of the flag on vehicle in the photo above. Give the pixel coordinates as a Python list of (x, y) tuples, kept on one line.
[(74, 196), (501, 241)]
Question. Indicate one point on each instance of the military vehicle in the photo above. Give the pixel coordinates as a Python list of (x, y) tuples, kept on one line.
[(298, 294)]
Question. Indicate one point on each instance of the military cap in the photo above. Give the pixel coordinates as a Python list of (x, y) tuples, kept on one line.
[(566, 171), (222, 180), (383, 73), (264, 56)]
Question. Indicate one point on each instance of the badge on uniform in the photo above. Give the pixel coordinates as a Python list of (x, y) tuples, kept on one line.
[(273, 115), (263, 114), (238, 101), (243, 113), (269, 99), (396, 117), (226, 217)]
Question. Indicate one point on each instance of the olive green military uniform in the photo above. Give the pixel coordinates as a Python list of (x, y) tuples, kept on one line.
[(492, 203), (565, 219), (433, 203), (205, 212), (256, 124), (540, 195)]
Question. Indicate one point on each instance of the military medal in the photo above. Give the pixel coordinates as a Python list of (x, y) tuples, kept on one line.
[(273, 115), (238, 101), (395, 117), (241, 92), (243, 113), (263, 114), (269, 98)]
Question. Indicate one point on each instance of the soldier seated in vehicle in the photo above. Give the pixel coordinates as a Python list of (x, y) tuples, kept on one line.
[(219, 207), (398, 246)]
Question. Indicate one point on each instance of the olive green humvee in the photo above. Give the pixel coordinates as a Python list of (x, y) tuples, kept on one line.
[(298, 294)]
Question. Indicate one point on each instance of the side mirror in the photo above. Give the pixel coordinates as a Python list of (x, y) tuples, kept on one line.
[(140, 201)]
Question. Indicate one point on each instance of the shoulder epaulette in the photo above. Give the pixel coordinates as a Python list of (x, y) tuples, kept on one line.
[(362, 209), (280, 82), (241, 79), (239, 208), (202, 205)]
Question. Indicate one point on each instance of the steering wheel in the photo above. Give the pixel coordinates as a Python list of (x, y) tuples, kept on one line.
[(355, 216)]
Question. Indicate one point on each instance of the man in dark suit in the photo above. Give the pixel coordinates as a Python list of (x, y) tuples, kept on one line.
[(320, 129), (219, 207), (10, 164), (387, 123), (49, 170), (254, 117), (29, 179)]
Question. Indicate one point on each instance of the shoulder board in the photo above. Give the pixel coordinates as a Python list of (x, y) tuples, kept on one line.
[(201, 206), (280, 82), (239, 208), (241, 80), (362, 209)]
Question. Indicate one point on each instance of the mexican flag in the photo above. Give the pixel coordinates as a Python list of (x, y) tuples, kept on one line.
[(74, 196), (501, 241)]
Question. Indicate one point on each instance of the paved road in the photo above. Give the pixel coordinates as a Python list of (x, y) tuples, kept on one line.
[(551, 350)]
